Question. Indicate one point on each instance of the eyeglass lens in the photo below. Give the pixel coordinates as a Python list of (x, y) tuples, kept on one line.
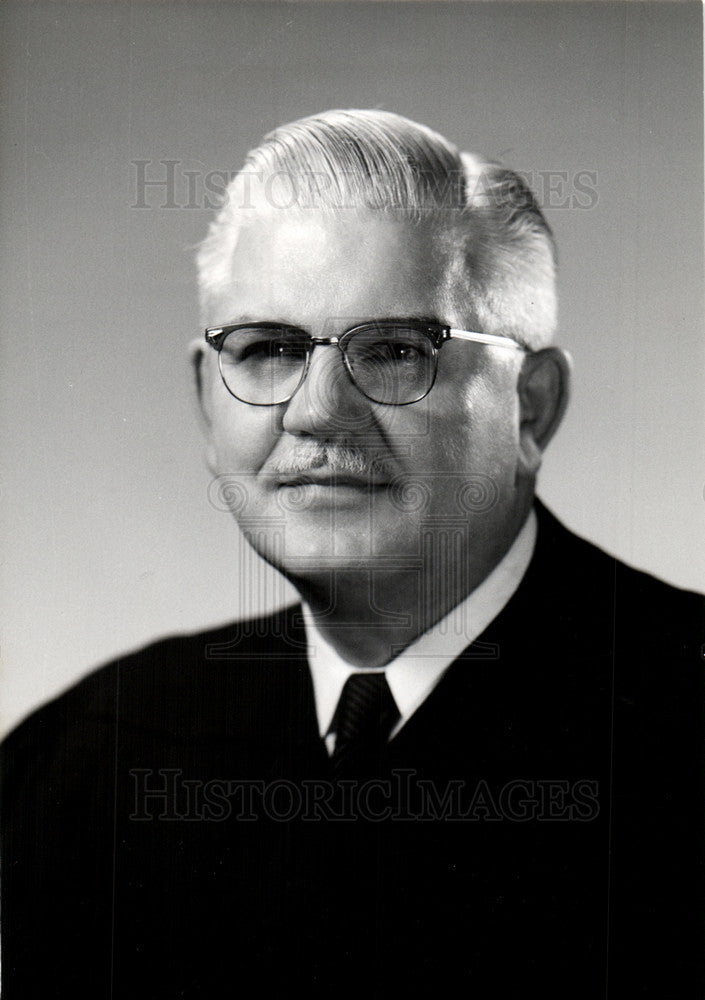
[(392, 365)]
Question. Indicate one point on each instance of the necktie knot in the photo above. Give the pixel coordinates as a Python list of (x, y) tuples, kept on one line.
[(365, 717)]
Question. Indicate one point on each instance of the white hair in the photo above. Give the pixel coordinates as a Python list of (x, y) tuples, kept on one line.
[(504, 265)]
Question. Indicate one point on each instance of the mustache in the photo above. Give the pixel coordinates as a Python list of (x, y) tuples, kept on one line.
[(339, 459)]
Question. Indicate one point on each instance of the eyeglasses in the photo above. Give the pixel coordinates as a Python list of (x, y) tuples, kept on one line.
[(391, 361)]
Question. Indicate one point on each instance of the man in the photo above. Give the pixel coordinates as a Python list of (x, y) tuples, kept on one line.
[(471, 759)]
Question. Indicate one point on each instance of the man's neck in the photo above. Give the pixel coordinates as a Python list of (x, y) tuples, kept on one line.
[(368, 615)]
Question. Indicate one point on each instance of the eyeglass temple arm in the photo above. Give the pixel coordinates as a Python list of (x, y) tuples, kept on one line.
[(485, 338)]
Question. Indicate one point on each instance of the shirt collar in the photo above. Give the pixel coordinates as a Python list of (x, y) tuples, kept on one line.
[(414, 673)]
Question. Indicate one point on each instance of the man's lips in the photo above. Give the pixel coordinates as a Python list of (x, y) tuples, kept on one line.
[(326, 478)]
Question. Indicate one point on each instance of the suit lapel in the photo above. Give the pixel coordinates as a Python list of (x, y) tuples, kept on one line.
[(534, 690)]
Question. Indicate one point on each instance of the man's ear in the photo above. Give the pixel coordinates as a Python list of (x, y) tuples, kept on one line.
[(197, 356), (544, 388)]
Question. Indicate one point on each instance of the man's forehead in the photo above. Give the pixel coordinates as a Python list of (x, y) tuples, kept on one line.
[(358, 263), (334, 236)]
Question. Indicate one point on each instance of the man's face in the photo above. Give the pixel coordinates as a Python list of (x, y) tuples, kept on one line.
[(441, 471)]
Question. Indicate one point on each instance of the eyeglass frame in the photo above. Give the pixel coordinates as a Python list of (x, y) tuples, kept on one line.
[(437, 333)]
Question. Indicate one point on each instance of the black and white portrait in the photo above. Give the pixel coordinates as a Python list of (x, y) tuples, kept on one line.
[(353, 499)]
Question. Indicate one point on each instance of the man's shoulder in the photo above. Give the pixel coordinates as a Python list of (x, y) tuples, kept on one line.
[(644, 636), (583, 572), (172, 682)]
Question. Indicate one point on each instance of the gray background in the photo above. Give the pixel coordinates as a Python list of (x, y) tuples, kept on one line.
[(109, 536)]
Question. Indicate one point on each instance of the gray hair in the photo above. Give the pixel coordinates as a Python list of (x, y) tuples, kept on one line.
[(503, 268)]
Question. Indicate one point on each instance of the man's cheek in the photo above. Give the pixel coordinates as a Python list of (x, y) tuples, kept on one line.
[(242, 448)]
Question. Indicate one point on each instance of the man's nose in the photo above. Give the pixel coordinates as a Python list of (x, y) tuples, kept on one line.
[(327, 403)]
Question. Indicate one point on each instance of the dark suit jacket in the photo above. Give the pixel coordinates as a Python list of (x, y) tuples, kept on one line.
[(171, 828)]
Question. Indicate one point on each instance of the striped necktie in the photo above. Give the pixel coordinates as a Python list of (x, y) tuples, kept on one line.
[(364, 718)]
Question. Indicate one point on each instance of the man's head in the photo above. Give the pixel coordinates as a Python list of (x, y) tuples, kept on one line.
[(501, 261), (347, 218)]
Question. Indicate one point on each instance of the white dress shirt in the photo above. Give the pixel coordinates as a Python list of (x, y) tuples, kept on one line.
[(414, 673)]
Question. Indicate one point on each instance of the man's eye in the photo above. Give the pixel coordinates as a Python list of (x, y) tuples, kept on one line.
[(271, 350), (286, 350), (254, 350), (405, 353), (386, 352), (399, 353)]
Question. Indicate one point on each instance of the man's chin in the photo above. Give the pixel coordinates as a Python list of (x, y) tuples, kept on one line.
[(315, 565), (306, 555)]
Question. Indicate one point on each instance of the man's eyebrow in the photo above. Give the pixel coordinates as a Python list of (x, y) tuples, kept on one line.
[(344, 324), (244, 320)]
